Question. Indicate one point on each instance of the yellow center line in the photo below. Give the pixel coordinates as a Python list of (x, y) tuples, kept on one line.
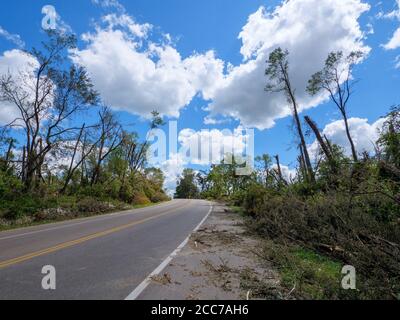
[(69, 244)]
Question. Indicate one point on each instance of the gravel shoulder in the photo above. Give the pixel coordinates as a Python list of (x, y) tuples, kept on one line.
[(220, 262)]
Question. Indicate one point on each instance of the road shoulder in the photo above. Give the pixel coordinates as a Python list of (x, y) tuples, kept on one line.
[(221, 261)]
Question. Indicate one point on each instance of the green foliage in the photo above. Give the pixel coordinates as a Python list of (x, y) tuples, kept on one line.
[(136, 189), (222, 182), (350, 215), (336, 65), (187, 188), (12, 210), (310, 275), (10, 186), (106, 164), (277, 71), (389, 141)]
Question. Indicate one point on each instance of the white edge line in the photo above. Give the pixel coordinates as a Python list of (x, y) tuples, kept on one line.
[(141, 287)]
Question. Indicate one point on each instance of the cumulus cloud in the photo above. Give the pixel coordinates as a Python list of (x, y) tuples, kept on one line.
[(202, 148), (287, 173), (172, 169), (210, 146), (19, 65), (137, 75), (364, 135), (310, 30)]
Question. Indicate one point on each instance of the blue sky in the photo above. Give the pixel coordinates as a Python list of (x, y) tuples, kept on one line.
[(196, 27)]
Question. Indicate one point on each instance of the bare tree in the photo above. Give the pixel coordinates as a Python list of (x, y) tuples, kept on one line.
[(279, 171), (336, 79), (279, 81)]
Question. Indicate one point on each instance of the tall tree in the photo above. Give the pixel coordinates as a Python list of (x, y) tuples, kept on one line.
[(47, 100), (111, 138), (279, 81), (264, 168), (336, 79), (187, 188)]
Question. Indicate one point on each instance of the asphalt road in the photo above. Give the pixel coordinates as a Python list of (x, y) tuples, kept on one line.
[(104, 257)]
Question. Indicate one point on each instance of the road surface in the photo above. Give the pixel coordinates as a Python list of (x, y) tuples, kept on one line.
[(103, 257)]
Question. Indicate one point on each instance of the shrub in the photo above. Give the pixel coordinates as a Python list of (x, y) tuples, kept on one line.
[(140, 199), (159, 197), (25, 205), (339, 227), (92, 205), (10, 186)]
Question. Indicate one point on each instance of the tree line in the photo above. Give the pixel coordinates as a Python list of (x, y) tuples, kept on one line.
[(48, 150)]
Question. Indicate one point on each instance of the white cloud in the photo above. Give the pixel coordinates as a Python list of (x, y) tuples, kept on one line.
[(212, 143), (395, 14), (287, 173), (394, 42), (134, 74), (19, 65), (62, 26), (14, 38), (397, 66), (109, 4), (364, 135), (210, 146), (172, 169), (125, 21), (139, 76), (310, 30)]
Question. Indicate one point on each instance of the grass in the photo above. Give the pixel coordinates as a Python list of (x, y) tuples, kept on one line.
[(258, 288), (238, 210), (304, 273)]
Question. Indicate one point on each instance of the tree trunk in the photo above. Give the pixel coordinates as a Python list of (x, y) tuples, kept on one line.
[(303, 166), (8, 154), (23, 164), (71, 169), (320, 140), (353, 148), (306, 155), (278, 163), (290, 93)]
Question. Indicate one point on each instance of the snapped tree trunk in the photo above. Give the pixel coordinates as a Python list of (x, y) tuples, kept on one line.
[(325, 147), (290, 93), (279, 169), (306, 155)]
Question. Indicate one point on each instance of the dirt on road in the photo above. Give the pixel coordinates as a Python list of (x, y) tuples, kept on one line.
[(220, 262)]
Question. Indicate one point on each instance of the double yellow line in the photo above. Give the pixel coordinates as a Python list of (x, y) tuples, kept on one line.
[(72, 243)]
